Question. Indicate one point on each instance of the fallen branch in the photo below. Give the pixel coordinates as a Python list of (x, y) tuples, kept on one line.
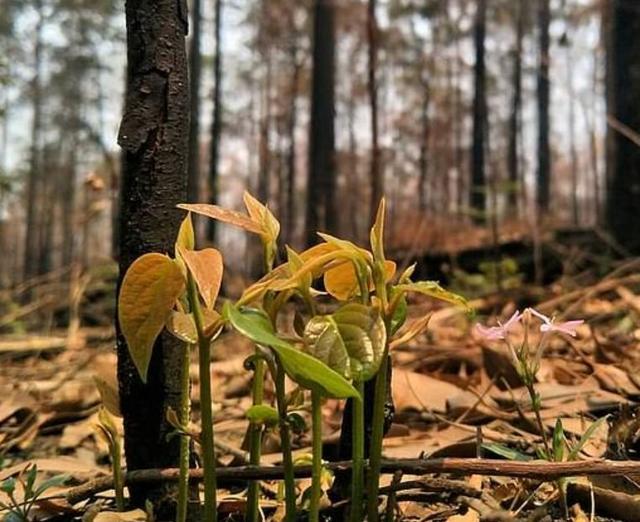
[(541, 470)]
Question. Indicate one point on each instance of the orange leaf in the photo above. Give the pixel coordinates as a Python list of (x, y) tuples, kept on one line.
[(149, 291), (225, 215), (206, 267)]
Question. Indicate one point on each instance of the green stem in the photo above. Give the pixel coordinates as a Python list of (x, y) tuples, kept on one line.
[(208, 451), (285, 437), (118, 481), (357, 478), (316, 479), (377, 433), (183, 481), (255, 442)]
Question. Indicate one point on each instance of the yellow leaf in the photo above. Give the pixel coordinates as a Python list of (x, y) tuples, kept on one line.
[(377, 233), (225, 215), (415, 328), (206, 267), (106, 380), (261, 214), (184, 328), (186, 235), (342, 283), (149, 291)]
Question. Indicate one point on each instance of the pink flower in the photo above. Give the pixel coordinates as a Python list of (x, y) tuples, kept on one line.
[(548, 324), (495, 333)]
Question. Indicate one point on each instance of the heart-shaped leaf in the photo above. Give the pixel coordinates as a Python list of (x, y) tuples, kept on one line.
[(259, 213), (186, 236), (302, 368), (351, 341), (149, 291), (206, 267)]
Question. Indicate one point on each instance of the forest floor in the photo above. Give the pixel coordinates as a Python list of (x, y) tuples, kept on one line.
[(455, 395)]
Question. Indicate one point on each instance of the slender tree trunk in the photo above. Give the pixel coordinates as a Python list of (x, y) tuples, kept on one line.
[(216, 122), (291, 132), (195, 69), (513, 166), (68, 205), (376, 178), (573, 152), (264, 174), (321, 200), (424, 144), (353, 178), (478, 175), (543, 195), (154, 139), (33, 179), (623, 105)]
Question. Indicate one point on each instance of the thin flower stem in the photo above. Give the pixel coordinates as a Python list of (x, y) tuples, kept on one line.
[(204, 361), (535, 405), (285, 437), (316, 426), (183, 481), (377, 433), (357, 484)]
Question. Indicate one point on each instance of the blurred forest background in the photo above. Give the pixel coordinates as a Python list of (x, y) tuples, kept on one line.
[(478, 119)]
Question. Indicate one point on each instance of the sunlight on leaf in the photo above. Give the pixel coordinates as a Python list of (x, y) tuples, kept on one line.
[(433, 289), (149, 291), (230, 217), (351, 341), (186, 236), (302, 368), (377, 233), (341, 282), (206, 267)]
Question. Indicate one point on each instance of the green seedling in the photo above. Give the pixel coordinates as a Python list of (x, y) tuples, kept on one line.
[(107, 429), (17, 510)]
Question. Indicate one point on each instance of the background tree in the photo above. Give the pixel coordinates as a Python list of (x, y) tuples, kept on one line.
[(623, 108), (543, 193), (195, 68), (478, 176), (321, 201), (154, 140)]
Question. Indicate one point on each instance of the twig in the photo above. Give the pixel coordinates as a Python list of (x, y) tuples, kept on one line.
[(540, 470)]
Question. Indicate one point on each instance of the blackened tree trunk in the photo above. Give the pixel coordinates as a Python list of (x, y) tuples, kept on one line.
[(423, 163), (516, 110), (321, 200), (623, 107), (478, 176), (34, 177), (154, 139), (216, 122), (544, 154), (195, 68), (292, 123), (375, 174)]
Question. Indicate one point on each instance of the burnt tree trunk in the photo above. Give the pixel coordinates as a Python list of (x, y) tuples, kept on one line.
[(216, 122), (34, 177), (623, 106), (375, 175), (544, 154), (321, 200), (292, 122), (478, 176), (516, 110), (195, 69), (154, 139)]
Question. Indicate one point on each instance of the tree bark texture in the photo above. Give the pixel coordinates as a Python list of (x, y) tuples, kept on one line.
[(154, 139)]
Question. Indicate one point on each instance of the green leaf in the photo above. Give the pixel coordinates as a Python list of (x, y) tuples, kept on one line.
[(302, 368), (149, 291), (506, 452), (351, 341), (377, 234), (53, 482), (262, 414), (8, 486), (557, 443), (586, 436), (399, 314), (433, 289), (31, 480)]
